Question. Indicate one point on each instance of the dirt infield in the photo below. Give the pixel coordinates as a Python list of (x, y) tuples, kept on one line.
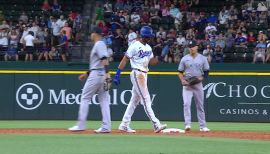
[(219, 134)]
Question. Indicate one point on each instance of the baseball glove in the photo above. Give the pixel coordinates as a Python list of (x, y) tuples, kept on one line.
[(193, 80), (108, 84)]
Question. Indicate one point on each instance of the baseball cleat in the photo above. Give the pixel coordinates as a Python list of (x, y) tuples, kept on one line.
[(204, 129), (187, 128), (160, 128), (76, 128), (126, 129), (102, 131)]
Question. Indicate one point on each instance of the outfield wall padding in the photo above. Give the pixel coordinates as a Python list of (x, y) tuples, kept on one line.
[(234, 98)]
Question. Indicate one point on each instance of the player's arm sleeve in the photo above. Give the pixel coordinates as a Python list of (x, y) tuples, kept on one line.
[(181, 66), (102, 51), (152, 55), (130, 52), (206, 68)]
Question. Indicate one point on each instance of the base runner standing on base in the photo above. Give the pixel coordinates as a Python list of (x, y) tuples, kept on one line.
[(140, 55), (192, 69), (97, 76)]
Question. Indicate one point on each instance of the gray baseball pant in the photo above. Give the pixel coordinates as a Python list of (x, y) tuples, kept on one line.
[(196, 91), (95, 85)]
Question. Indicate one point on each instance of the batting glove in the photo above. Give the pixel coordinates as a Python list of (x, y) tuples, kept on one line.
[(116, 79)]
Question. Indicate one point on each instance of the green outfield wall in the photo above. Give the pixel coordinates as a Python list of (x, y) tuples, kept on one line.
[(231, 93)]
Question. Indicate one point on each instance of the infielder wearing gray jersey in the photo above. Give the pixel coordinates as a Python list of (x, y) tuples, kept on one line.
[(96, 76), (193, 65)]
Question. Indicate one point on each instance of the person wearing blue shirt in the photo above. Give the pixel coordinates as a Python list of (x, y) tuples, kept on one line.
[(240, 41)]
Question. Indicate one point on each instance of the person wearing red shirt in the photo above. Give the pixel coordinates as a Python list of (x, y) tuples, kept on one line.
[(46, 6)]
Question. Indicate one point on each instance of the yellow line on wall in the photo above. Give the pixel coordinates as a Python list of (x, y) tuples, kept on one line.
[(150, 73)]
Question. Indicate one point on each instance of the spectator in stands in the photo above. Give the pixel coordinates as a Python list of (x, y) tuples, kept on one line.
[(220, 41), (29, 41), (44, 52), (77, 26), (263, 18), (181, 40), (53, 53), (104, 28), (145, 18), (259, 56), (190, 35), (134, 18), (63, 46), (165, 12), (3, 39), (132, 36), (99, 14), (157, 5), (13, 38), (233, 12), (4, 25), (56, 28), (61, 21), (210, 29), (23, 17), (240, 41), (173, 11), (68, 30), (262, 45), (183, 5), (242, 27), (261, 36), (72, 16), (212, 18), (218, 55), (253, 18), (161, 33), (35, 28), (11, 53), (108, 7), (119, 5), (208, 52), (261, 7), (115, 22), (122, 19), (127, 18), (267, 53), (24, 32), (46, 6), (118, 44), (56, 7), (251, 38), (157, 46), (244, 16)]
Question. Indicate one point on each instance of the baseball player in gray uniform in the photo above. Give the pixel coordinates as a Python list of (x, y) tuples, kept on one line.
[(193, 65), (95, 79)]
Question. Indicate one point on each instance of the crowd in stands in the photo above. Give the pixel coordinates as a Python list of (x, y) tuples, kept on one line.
[(232, 30), (40, 37)]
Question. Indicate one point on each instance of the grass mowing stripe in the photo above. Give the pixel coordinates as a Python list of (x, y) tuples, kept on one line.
[(262, 127), (127, 144)]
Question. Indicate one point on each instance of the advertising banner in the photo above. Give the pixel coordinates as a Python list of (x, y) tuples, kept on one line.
[(57, 96)]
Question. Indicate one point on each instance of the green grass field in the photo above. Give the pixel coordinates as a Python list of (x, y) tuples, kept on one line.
[(128, 144)]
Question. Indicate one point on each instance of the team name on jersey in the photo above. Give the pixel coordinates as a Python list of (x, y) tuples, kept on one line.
[(144, 53)]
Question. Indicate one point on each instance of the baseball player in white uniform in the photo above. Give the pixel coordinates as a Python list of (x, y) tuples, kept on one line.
[(96, 76), (140, 55), (193, 65)]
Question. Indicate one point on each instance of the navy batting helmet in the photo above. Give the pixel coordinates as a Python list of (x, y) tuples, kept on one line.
[(146, 31)]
